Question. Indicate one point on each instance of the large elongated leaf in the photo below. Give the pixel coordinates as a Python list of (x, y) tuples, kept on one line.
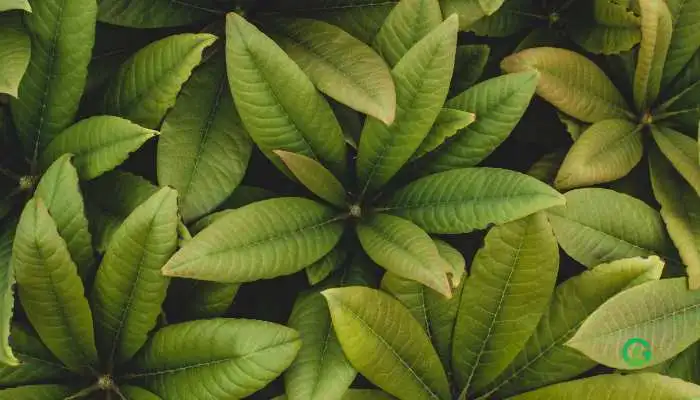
[(7, 298), (37, 363), (15, 51), (606, 151), (546, 359), (147, 84), (571, 82), (511, 282), (680, 210), (218, 358), (467, 199), (129, 288), (315, 177), (683, 366), (340, 65), (99, 144), (664, 323), (50, 289), (60, 191), (406, 250), (657, 28), (498, 105), (203, 150), (422, 80), (62, 34), (682, 151), (37, 392), (619, 387), (686, 37), (407, 24), (266, 85), (274, 237), (600, 225), (6, 5), (385, 344), (604, 27), (156, 13)]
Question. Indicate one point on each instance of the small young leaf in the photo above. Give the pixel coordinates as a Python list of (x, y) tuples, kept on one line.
[(448, 123), (680, 210), (37, 392), (600, 225), (51, 291), (385, 344), (470, 62), (340, 65), (682, 151), (274, 237), (546, 168), (606, 151), (403, 248), (545, 359), (657, 28), (62, 35), (604, 27), (572, 83), (99, 144), (509, 288), (322, 268), (664, 322), (7, 298), (266, 85), (315, 177), (422, 80), (618, 387), (129, 288), (407, 24), (15, 51), (464, 200), (203, 150), (156, 13), (145, 97), (455, 259), (193, 299), (217, 358)]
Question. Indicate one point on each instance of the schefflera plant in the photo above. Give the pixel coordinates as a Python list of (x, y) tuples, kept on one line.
[(294, 126), (102, 337), (662, 116)]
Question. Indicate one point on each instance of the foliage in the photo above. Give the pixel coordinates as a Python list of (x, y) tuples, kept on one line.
[(349, 199)]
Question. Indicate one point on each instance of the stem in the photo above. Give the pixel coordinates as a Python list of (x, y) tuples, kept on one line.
[(9, 174), (88, 390)]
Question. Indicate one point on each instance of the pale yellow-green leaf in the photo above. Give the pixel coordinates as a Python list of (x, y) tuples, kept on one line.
[(682, 151), (448, 123), (315, 177), (657, 28)]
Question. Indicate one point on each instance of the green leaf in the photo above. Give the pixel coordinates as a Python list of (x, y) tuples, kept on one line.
[(464, 200), (511, 283), (664, 322), (683, 366), (435, 313), (266, 85), (681, 151), (244, 195), (50, 91), (600, 225), (406, 25), (156, 13), (201, 299), (385, 344), (455, 259), (203, 150), (340, 65), (99, 144), (680, 210), (618, 387), (6, 5), (147, 84), (51, 291), (605, 152), (366, 394), (657, 28), (37, 392), (129, 288), (403, 248), (685, 40), (37, 363), (572, 83), (469, 11), (315, 177), (545, 359), (422, 80), (448, 123), (217, 358), (604, 27), (110, 199), (320, 371), (546, 168), (321, 269), (60, 191), (15, 51), (514, 16), (498, 104), (137, 393), (7, 299), (275, 237), (470, 62)]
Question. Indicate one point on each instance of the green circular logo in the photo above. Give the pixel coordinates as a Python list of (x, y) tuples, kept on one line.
[(636, 352)]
